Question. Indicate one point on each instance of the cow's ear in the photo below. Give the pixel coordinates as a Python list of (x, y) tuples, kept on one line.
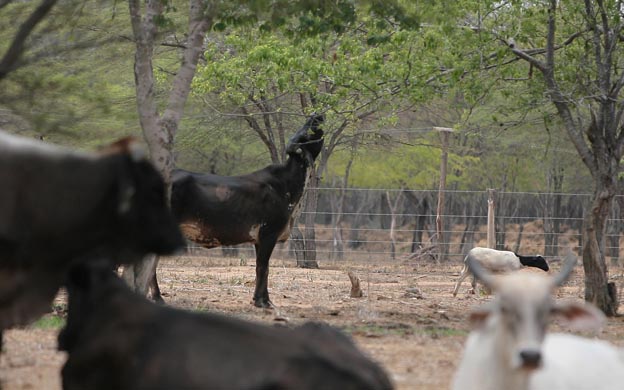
[(579, 315), (129, 146), (479, 315)]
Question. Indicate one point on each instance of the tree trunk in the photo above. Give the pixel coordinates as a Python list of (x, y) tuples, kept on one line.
[(384, 212), (594, 239), (309, 240), (338, 244), (519, 239), (393, 207), (421, 219), (296, 243), (551, 210), (159, 131), (471, 221), (363, 201)]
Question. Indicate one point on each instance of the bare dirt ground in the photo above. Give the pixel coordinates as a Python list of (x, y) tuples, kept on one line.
[(407, 320)]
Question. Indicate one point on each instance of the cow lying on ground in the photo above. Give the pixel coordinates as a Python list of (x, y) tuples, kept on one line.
[(498, 262), (58, 207), (510, 349), (259, 207), (117, 339)]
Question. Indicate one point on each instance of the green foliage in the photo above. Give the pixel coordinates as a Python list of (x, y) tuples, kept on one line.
[(49, 322), (344, 58), (75, 83)]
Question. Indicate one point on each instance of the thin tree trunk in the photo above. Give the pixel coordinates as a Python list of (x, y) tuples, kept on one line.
[(159, 131), (338, 245), (421, 218), (363, 202), (551, 209), (309, 241), (519, 239), (296, 243), (594, 238), (393, 207)]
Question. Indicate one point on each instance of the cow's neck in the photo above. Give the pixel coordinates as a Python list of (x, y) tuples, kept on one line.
[(296, 180)]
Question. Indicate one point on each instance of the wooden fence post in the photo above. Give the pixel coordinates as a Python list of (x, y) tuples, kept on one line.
[(441, 237), (491, 231)]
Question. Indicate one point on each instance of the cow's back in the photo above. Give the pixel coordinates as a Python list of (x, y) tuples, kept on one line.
[(118, 339), (217, 210)]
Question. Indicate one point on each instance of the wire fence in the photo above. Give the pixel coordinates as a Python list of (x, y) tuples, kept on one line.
[(390, 224)]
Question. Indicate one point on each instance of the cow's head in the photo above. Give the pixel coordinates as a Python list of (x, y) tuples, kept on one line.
[(307, 141), (521, 309), (536, 261), (146, 222)]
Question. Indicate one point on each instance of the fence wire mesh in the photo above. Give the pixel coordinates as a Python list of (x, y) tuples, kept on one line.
[(389, 224)]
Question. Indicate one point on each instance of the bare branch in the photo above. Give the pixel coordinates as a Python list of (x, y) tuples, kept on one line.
[(13, 54), (528, 58), (4, 3)]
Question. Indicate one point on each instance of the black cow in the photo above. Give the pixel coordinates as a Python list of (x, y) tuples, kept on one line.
[(117, 339), (258, 207), (59, 207)]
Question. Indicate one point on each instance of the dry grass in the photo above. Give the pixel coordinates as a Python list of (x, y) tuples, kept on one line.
[(407, 319)]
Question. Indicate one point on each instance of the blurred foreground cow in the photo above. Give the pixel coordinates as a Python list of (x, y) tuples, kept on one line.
[(119, 340), (259, 207), (511, 349), (58, 207)]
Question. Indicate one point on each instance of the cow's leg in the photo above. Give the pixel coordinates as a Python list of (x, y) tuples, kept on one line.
[(142, 276), (153, 285), (263, 253), (474, 285), (462, 276)]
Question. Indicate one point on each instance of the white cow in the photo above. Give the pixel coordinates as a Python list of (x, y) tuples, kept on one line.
[(497, 261), (509, 348)]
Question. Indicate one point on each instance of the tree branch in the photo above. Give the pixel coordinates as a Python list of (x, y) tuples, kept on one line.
[(253, 123), (200, 21), (13, 54), (4, 3)]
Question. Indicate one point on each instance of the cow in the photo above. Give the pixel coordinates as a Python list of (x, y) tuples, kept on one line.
[(117, 339), (497, 261), (511, 348), (59, 207), (259, 207)]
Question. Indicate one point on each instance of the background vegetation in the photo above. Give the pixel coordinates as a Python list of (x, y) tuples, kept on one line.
[(531, 89)]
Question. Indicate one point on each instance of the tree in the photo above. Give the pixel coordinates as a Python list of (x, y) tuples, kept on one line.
[(13, 56), (569, 52), (160, 129), (351, 73), (47, 86)]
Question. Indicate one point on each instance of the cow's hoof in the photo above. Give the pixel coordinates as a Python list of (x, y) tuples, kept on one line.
[(263, 303), (159, 300)]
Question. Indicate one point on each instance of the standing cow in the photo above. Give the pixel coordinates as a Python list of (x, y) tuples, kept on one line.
[(59, 207), (259, 207)]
